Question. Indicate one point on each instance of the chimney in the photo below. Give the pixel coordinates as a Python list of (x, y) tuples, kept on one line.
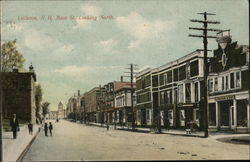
[(31, 68), (121, 78), (78, 92)]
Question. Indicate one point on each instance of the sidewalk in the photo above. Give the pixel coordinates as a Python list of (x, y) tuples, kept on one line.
[(212, 135), (14, 148)]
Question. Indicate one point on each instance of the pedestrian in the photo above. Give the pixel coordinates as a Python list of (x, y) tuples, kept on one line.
[(107, 126), (30, 127), (14, 126), (46, 129), (168, 124), (50, 128)]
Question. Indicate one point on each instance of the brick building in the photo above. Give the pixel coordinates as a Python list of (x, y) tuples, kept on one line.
[(19, 94)]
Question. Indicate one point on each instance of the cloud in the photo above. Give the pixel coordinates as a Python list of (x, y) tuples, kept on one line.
[(64, 50), (106, 46), (36, 40), (73, 70), (91, 10), (141, 29), (91, 13)]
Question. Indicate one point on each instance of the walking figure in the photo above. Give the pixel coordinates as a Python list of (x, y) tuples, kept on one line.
[(107, 126), (46, 129), (14, 125), (30, 127), (50, 128)]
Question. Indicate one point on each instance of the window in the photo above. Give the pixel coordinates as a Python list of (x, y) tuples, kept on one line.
[(170, 117), (143, 85), (196, 92), (180, 93), (227, 83), (238, 80), (242, 113), (188, 92), (162, 98), (182, 72), (232, 80), (155, 81), (188, 70), (215, 84), (176, 78), (222, 83), (169, 76), (210, 85), (165, 78), (194, 68)]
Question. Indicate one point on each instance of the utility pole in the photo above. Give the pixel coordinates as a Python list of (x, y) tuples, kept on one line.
[(205, 22), (132, 68), (1, 96)]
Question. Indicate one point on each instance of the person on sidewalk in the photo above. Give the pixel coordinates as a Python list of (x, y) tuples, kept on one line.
[(30, 127), (14, 126), (50, 128), (46, 129)]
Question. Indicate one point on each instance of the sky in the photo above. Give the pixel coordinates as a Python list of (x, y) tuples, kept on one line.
[(78, 45)]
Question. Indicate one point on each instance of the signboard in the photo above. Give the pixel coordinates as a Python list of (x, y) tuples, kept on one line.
[(231, 97)]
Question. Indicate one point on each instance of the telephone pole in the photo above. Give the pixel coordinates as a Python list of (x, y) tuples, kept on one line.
[(205, 23), (1, 97), (132, 68)]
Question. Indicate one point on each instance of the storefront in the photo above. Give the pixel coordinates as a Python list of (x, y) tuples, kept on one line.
[(229, 112)]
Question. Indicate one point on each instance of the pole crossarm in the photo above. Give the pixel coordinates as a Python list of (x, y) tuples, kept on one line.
[(203, 13), (201, 36), (205, 21), (216, 30)]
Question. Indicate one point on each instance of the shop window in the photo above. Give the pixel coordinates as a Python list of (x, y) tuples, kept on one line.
[(197, 116), (224, 112), (162, 98), (170, 117), (182, 118), (212, 115), (148, 115), (241, 113), (238, 80), (232, 80)]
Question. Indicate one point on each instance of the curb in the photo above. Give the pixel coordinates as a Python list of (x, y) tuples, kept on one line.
[(21, 156)]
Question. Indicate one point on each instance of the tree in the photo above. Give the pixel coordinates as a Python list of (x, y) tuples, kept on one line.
[(45, 108), (38, 99), (11, 57)]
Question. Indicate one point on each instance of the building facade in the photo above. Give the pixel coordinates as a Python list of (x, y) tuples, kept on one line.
[(144, 101), (19, 94), (228, 86)]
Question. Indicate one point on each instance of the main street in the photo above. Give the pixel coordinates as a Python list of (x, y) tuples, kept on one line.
[(72, 141)]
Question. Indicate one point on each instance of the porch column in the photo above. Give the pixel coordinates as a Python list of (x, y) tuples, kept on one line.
[(217, 114), (235, 113)]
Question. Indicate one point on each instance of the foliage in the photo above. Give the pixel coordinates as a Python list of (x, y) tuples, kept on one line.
[(11, 57), (38, 99), (45, 108)]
